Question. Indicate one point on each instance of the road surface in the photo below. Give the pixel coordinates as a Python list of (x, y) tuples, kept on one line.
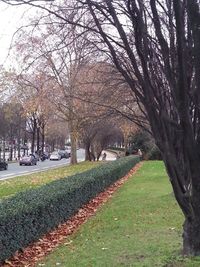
[(15, 170)]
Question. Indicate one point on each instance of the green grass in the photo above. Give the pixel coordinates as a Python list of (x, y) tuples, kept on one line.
[(12, 186), (140, 226)]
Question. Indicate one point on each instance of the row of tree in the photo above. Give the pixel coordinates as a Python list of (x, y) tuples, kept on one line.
[(18, 130), (40, 111), (59, 78)]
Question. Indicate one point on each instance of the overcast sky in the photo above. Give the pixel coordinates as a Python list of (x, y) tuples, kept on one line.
[(11, 18)]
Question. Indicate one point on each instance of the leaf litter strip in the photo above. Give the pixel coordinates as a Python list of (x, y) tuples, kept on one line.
[(29, 256)]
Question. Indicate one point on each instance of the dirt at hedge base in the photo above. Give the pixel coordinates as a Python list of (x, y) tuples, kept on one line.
[(38, 250)]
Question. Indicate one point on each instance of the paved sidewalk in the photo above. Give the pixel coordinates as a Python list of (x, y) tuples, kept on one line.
[(110, 156)]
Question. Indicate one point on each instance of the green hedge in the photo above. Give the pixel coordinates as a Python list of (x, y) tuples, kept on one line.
[(28, 215)]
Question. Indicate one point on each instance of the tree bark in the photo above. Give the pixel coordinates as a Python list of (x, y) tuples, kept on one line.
[(33, 135), (87, 151), (73, 138), (11, 151), (43, 138), (38, 139), (191, 237), (4, 151), (191, 227), (73, 148), (18, 145)]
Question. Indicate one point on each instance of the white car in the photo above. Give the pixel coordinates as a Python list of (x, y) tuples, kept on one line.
[(55, 156)]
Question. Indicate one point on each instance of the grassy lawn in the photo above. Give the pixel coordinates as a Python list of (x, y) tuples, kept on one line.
[(14, 185), (140, 226)]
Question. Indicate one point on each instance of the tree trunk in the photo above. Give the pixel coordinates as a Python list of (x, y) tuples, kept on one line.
[(4, 152), (184, 177), (53, 146), (73, 142), (87, 151), (125, 146), (18, 147), (33, 141), (73, 148), (191, 227), (191, 237), (43, 136), (11, 152), (99, 155), (92, 153), (33, 136), (15, 150), (38, 139)]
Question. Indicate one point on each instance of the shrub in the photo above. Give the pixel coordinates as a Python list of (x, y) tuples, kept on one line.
[(140, 140), (145, 142), (154, 154), (28, 215)]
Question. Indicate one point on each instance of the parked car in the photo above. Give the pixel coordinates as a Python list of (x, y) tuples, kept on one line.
[(3, 164), (64, 154), (36, 155), (28, 160), (55, 156), (44, 156), (68, 150)]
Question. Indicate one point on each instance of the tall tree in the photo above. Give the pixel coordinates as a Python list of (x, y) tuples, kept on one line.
[(155, 47), (61, 60), (32, 94)]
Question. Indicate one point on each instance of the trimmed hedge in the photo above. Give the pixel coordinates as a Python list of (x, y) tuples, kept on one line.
[(28, 215)]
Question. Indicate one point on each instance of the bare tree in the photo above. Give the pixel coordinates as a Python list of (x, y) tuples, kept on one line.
[(154, 45), (31, 92), (60, 59)]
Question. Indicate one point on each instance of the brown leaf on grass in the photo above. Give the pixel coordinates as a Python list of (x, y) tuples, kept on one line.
[(51, 240)]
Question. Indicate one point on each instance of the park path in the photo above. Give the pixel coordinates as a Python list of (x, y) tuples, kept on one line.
[(110, 156)]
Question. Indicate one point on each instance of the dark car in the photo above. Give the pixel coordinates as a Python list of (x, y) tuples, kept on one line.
[(36, 155), (64, 154), (44, 156), (28, 160), (3, 164)]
